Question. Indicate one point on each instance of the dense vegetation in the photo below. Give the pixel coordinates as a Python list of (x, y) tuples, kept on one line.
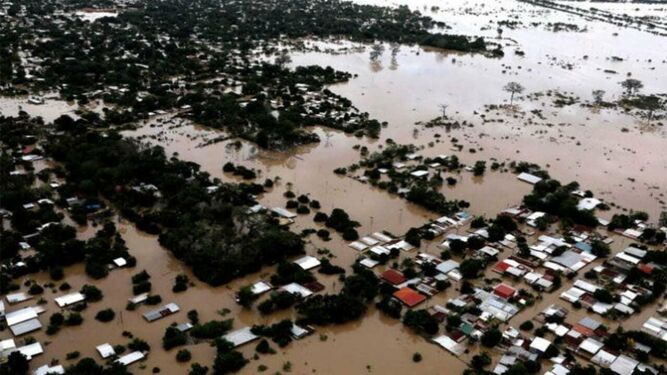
[(158, 56), (211, 232)]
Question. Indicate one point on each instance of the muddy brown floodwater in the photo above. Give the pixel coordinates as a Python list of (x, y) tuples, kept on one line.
[(617, 155)]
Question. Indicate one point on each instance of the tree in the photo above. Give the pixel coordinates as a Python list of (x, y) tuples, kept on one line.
[(443, 109), (479, 168), (421, 322), (376, 51), (631, 86), (245, 297), (480, 361), (17, 364), (598, 96), (650, 103), (513, 88), (283, 58), (173, 337), (491, 337)]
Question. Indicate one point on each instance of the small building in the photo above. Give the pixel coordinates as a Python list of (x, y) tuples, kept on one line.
[(69, 299), (46, 369), (447, 266), (307, 262), (120, 262), (297, 289), (283, 213), (450, 345), (162, 312), (409, 297), (260, 287), (141, 298), (624, 365), (31, 350), (299, 332), (105, 350), (539, 345), (504, 291), (589, 347), (130, 358), (529, 178), (393, 276), (240, 336), (15, 298)]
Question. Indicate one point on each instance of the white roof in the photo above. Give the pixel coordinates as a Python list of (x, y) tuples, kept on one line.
[(420, 173), (489, 251), (307, 262), (120, 262), (298, 289), (130, 358), (529, 178), (298, 331), (381, 237), (449, 344), (603, 358), (625, 257), (17, 297), (370, 241), (624, 365), (44, 370), (139, 298), (240, 336), (260, 287), (572, 295), (447, 266), (402, 245), (31, 350), (635, 252), (7, 345), (105, 350), (558, 369), (379, 250), (585, 285), (588, 203), (590, 346), (540, 344), (368, 262), (21, 315), (25, 327), (69, 299), (283, 212), (359, 246)]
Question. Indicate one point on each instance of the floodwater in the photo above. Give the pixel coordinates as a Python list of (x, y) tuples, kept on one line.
[(617, 155)]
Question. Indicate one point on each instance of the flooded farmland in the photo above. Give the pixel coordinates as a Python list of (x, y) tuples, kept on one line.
[(613, 149)]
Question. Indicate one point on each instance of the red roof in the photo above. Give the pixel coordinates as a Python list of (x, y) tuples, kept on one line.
[(583, 330), (393, 277), (505, 291), (645, 268), (409, 297), (502, 266)]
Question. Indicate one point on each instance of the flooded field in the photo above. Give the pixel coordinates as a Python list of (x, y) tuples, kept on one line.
[(617, 153)]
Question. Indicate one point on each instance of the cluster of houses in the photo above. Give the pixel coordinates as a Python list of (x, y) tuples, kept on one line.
[(584, 339), (22, 321)]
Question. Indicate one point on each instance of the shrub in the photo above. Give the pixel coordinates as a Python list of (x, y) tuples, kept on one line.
[(173, 338), (92, 293), (74, 319), (105, 315), (183, 355), (526, 326)]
